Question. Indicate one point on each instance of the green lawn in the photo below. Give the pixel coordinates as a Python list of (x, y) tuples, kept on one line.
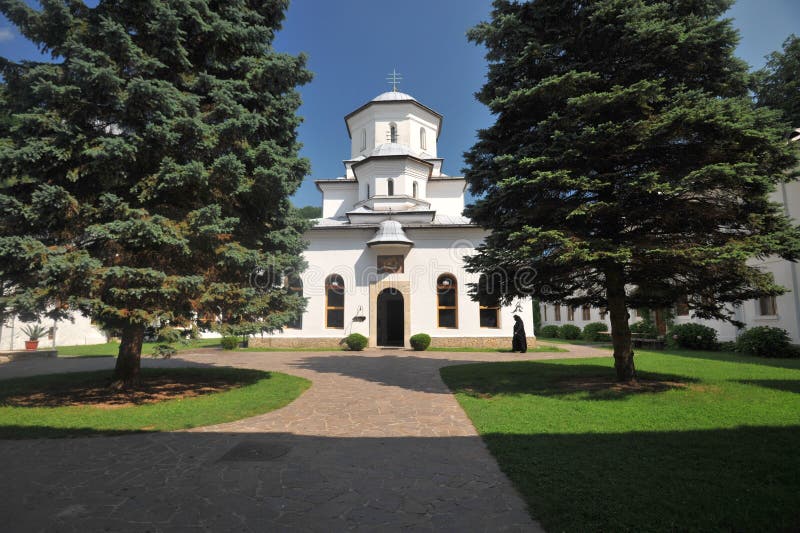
[(110, 349), (542, 348), (259, 392), (718, 451)]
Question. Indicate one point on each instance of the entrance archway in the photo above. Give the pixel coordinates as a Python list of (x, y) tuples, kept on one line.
[(391, 318)]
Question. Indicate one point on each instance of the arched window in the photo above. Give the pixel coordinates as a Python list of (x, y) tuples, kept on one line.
[(392, 133), (391, 187), (422, 141), (295, 286), (416, 189), (487, 305), (363, 139), (447, 301), (367, 191), (334, 302)]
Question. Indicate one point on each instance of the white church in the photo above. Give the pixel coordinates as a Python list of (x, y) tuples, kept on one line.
[(386, 259)]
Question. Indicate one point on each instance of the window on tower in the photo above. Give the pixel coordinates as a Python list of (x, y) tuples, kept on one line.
[(393, 133), (422, 141), (363, 139), (390, 187), (416, 189)]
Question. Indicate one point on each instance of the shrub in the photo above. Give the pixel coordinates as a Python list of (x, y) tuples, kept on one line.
[(765, 341), (727, 346), (569, 332), (645, 328), (356, 342), (591, 331), (693, 336), (549, 332), (164, 351), (420, 341), (229, 343), (169, 335)]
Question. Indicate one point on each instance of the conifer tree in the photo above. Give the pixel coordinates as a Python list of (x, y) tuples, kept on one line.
[(627, 166), (777, 85), (146, 171)]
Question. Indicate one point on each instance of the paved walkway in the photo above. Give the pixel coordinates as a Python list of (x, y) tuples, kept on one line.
[(377, 443)]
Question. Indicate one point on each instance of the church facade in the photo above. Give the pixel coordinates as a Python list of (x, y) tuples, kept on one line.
[(386, 259)]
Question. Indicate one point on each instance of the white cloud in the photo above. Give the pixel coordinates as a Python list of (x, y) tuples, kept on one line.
[(6, 34)]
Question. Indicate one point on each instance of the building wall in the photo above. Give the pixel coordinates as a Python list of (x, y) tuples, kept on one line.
[(436, 251), (446, 196), (66, 333), (338, 198)]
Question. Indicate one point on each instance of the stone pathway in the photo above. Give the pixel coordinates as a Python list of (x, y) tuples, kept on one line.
[(377, 443)]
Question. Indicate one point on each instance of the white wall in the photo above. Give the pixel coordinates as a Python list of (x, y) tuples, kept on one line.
[(66, 333), (436, 251), (338, 198), (446, 196)]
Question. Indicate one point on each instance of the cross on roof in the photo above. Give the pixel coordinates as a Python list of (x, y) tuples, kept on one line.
[(394, 78)]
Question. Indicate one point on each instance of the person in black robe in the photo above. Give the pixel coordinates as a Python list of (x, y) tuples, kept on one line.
[(519, 342)]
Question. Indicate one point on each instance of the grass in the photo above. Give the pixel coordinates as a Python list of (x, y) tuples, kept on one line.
[(543, 348), (110, 349), (260, 392), (580, 342), (716, 449)]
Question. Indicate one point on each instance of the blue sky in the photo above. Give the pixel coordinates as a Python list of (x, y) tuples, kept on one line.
[(353, 44)]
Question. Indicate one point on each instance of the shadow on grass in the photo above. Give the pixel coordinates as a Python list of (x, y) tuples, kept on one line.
[(741, 479), (786, 385), (730, 357), (540, 378), (12, 432)]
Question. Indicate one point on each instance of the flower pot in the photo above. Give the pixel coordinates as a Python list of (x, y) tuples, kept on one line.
[(31, 345)]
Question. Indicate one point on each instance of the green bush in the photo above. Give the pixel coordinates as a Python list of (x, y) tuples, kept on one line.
[(165, 351), (645, 328), (591, 331), (569, 332), (420, 341), (229, 343), (356, 342), (727, 346), (693, 336), (765, 341), (549, 332), (168, 335)]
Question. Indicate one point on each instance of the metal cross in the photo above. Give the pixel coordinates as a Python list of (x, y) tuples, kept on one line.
[(393, 79)]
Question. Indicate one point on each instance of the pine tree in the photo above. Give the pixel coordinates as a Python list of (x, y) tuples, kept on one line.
[(777, 84), (627, 166), (146, 172)]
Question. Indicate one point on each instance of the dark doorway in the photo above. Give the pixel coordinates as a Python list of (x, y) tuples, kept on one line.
[(391, 318)]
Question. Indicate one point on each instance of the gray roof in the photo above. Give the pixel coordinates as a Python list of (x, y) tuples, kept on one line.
[(393, 96), (438, 220)]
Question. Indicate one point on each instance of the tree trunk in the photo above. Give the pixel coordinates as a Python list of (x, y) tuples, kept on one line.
[(127, 373), (620, 330)]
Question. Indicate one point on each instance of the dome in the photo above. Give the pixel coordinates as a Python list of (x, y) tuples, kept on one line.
[(390, 232), (393, 96)]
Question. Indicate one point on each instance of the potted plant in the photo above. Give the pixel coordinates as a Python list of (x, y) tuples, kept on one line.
[(34, 333)]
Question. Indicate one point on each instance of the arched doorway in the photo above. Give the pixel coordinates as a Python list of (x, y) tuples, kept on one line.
[(391, 317)]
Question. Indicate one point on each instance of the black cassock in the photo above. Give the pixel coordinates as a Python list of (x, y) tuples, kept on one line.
[(520, 342)]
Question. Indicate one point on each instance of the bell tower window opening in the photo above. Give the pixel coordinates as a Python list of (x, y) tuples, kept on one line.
[(390, 187), (415, 189), (393, 133), (422, 141), (363, 139)]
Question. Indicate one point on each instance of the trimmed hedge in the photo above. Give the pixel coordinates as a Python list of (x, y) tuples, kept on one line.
[(549, 332), (229, 343), (356, 342), (692, 336), (766, 341), (420, 341), (591, 331), (569, 332)]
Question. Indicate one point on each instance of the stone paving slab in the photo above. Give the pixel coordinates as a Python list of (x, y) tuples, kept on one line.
[(377, 443)]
